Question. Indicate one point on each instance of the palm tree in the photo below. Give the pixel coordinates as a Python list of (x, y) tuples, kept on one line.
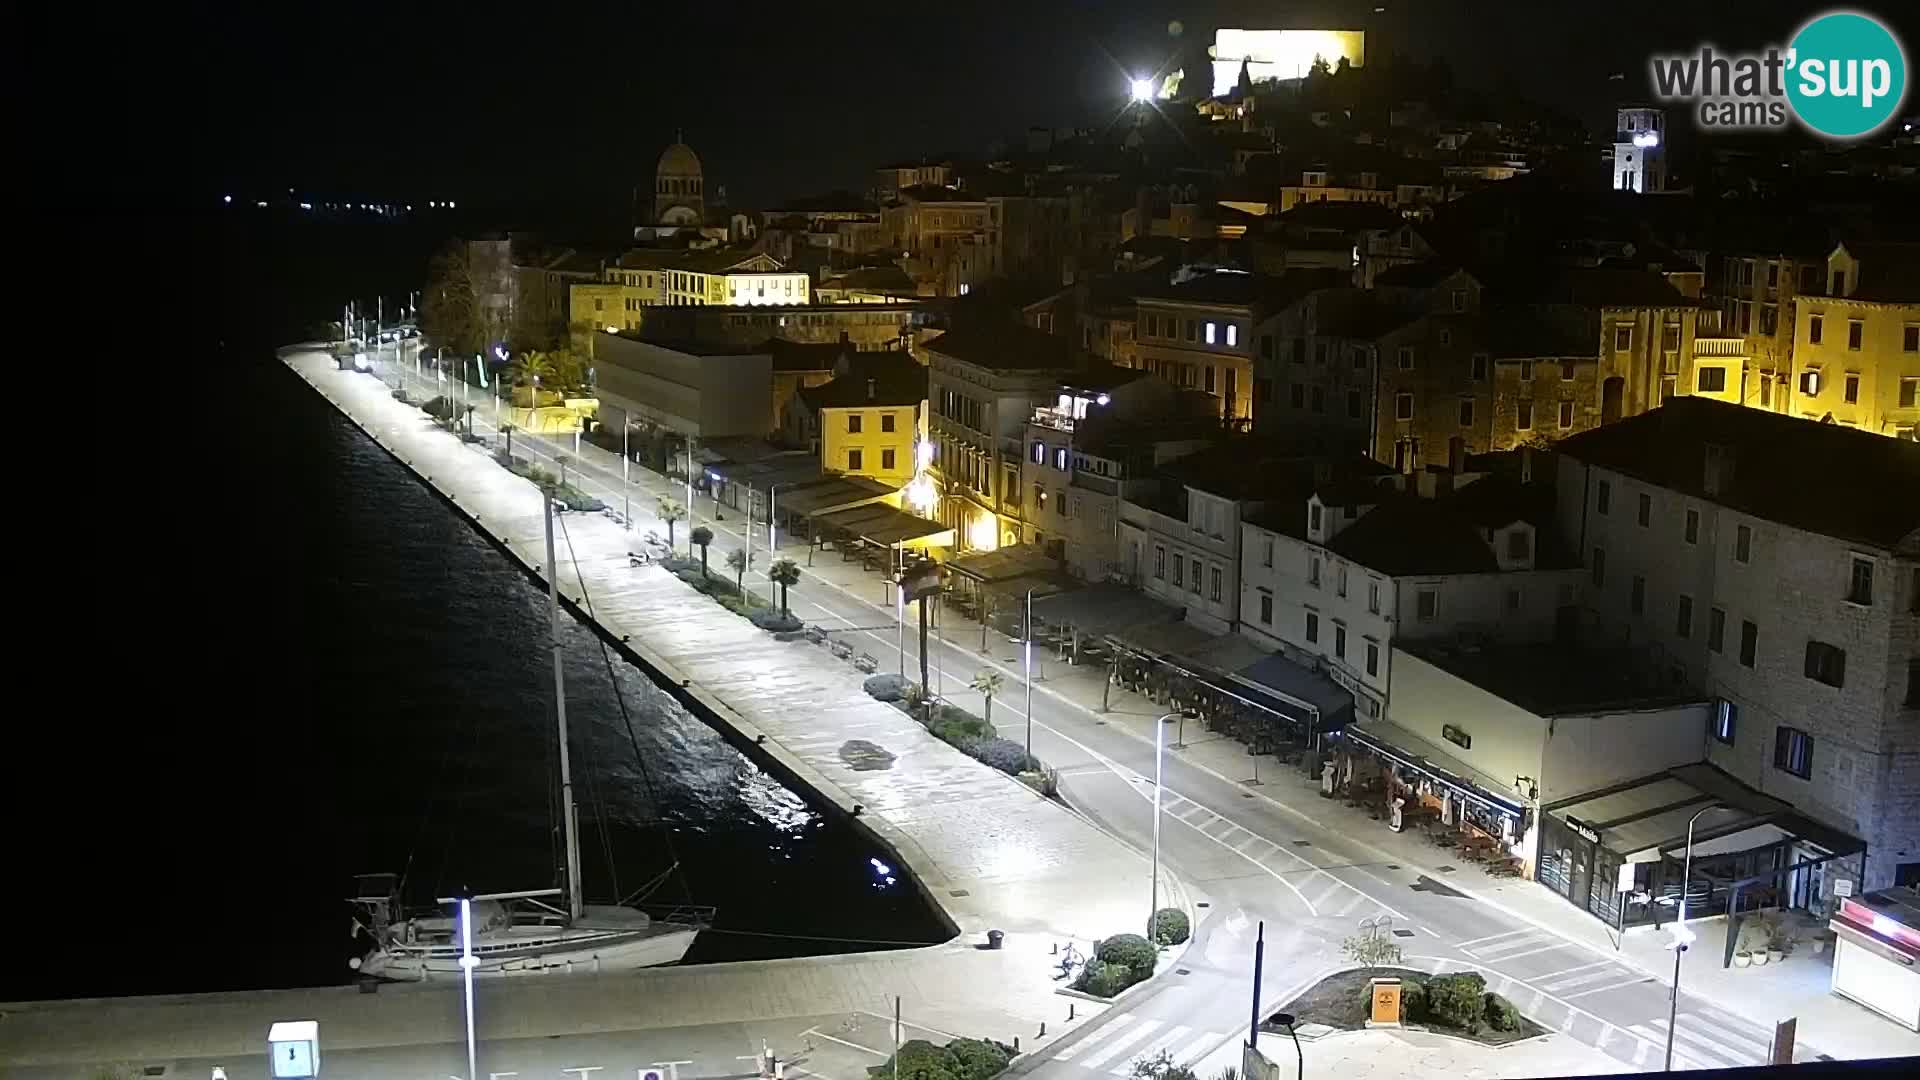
[(988, 683), (529, 370), (786, 574), (700, 537), (670, 512), (507, 430), (737, 562)]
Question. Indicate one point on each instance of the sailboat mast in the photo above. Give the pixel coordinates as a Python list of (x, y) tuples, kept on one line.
[(574, 907)]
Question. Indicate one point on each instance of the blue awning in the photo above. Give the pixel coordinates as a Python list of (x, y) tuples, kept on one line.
[(1299, 692)]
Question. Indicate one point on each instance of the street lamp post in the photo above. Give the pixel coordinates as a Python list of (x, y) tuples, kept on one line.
[(1028, 651), (1300, 1059), (1681, 935), (468, 962), (626, 462), (1153, 903)]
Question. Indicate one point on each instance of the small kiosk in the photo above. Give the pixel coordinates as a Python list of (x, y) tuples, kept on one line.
[(1876, 959)]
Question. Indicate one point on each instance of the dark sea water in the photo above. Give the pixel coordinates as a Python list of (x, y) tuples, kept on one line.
[(299, 665)]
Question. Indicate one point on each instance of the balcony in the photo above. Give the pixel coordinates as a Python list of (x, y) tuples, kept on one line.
[(1052, 418), (1719, 346)]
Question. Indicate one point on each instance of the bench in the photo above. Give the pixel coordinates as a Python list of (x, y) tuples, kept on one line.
[(866, 663), (639, 558), (841, 649)]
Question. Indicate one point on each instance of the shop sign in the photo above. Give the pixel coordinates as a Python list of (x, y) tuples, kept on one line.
[(1583, 830), (1457, 737)]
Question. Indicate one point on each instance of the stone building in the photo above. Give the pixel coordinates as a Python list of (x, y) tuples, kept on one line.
[(1857, 346), (1774, 564)]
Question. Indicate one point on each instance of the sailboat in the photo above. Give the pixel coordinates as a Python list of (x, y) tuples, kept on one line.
[(534, 932)]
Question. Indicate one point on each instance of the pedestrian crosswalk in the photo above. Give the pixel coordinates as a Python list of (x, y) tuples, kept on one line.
[(1702, 1041), (1115, 1046)]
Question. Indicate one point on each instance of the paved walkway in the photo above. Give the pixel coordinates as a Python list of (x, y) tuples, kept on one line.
[(1391, 1055)]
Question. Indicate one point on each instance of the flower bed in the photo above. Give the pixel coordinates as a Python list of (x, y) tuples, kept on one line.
[(1456, 1004)]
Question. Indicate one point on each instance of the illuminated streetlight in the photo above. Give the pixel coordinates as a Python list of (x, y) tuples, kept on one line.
[(1142, 89), (1682, 937), (1153, 904)]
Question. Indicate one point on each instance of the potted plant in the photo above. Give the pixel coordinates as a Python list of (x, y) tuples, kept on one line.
[(1741, 958)]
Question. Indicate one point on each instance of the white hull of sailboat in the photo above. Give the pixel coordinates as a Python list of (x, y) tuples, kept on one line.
[(607, 953)]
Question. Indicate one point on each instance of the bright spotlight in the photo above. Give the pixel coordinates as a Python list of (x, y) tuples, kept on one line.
[(1142, 89)]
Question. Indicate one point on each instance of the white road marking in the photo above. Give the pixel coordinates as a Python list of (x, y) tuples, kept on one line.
[(1116, 1046), (1506, 956), (1167, 1038), (1618, 984), (843, 1042), (1495, 937), (1118, 1024)]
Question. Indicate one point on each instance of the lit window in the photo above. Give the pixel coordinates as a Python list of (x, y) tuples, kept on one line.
[(1233, 334), (1726, 718), (1793, 752), (1212, 328), (1427, 605)]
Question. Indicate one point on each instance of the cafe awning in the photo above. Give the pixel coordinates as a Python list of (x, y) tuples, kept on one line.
[(1005, 564), (1644, 819), (885, 526), (830, 495), (1298, 692), (1101, 610), (1404, 748)]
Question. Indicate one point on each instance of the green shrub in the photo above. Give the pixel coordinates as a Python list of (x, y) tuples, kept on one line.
[(1413, 1000), (978, 1059), (951, 725), (1170, 926), (1132, 950), (1371, 950), (1458, 1001), (1103, 979), (1004, 754), (918, 1060), (1501, 1015)]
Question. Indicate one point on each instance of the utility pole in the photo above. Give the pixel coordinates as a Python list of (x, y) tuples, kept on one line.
[(1259, 956)]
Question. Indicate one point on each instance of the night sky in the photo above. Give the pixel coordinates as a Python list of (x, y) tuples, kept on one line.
[(536, 102)]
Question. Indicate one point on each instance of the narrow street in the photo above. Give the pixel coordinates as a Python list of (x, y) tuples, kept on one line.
[(1273, 851)]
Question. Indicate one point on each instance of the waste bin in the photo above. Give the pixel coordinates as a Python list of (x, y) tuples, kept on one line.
[(993, 939)]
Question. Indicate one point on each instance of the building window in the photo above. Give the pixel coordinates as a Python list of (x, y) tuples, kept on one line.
[(1692, 530), (1233, 334), (1313, 627), (1479, 367), (1356, 404), (1373, 658), (1637, 595), (1446, 337), (1910, 339), (1266, 607), (1793, 752), (1339, 641), (1855, 330), (886, 461), (1319, 353), (1603, 497), (1909, 393), (1039, 452), (1810, 382), (1340, 580), (1191, 325), (1213, 583), (1373, 597), (1160, 562), (1179, 571), (1852, 385), (1814, 326), (1683, 618), (1600, 567), (1266, 552), (1518, 547), (1749, 643), (853, 461), (1726, 716), (1860, 582), (1297, 396), (1212, 329), (1194, 583), (1466, 412), (1716, 629), (1566, 415), (1403, 406), (886, 422), (1040, 503), (1743, 544), (1622, 338), (1313, 519), (1426, 605), (1913, 683), (1060, 458), (1826, 663), (1523, 415), (1645, 514), (1319, 399), (1313, 570), (1526, 371), (1405, 356), (1712, 380), (1459, 299)]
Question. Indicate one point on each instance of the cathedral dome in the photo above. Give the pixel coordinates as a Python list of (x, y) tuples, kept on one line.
[(678, 160)]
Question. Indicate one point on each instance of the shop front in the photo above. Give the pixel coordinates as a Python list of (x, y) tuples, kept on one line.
[(1619, 853), (1413, 785), (1876, 958)]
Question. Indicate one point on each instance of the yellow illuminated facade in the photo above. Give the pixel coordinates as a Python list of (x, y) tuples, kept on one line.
[(1856, 349), (1281, 54), (875, 441)]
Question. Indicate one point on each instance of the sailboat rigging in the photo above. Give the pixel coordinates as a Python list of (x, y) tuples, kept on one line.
[(533, 931)]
